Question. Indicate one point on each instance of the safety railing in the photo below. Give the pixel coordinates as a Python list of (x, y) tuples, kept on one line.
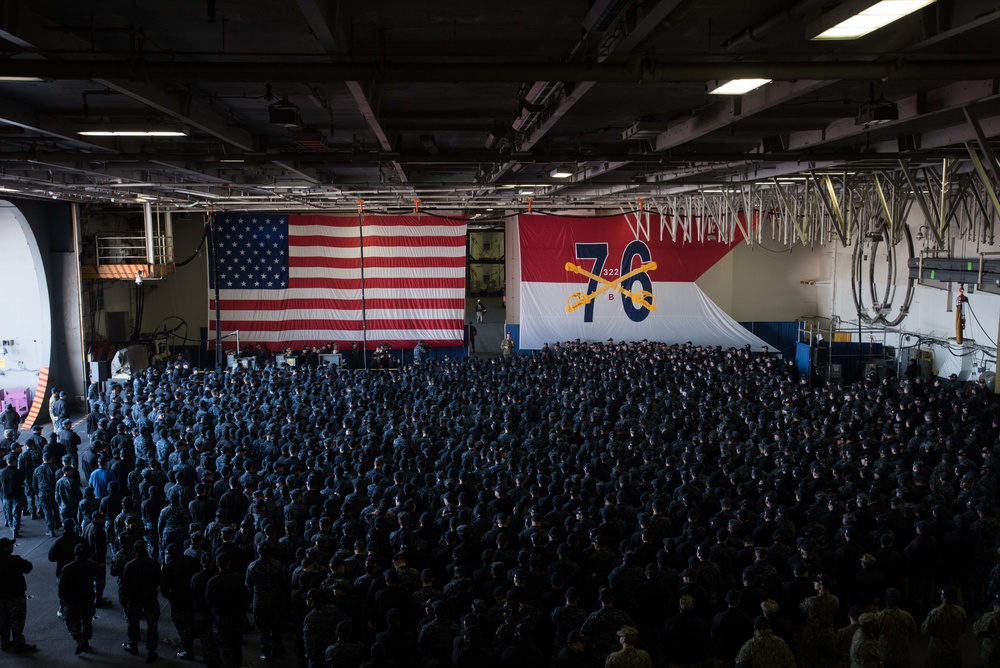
[(132, 250)]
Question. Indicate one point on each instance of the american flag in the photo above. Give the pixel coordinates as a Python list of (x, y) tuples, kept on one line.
[(295, 280)]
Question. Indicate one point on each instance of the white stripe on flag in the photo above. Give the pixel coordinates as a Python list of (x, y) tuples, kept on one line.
[(352, 253), (311, 293), (347, 231), (348, 335), (376, 251), (345, 314), (325, 272), (342, 231), (414, 231), (415, 251), (378, 272)]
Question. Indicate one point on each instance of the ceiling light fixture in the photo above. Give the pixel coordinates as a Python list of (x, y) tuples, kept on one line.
[(877, 16), (133, 130), (5, 189), (284, 113), (876, 113), (737, 86), (20, 79), (561, 173)]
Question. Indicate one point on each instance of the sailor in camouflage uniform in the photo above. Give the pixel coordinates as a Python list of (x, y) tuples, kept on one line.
[(764, 650), (268, 580), (44, 480), (344, 653), (436, 639), (628, 656), (988, 629), (175, 585), (865, 652), (173, 525), (818, 632), (202, 612), (320, 627), (896, 627), (945, 625), (602, 625)]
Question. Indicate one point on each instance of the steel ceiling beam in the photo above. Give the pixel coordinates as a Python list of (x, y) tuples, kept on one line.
[(777, 93), (193, 115), (624, 38), (21, 116), (948, 98), (327, 30), (723, 114), (632, 70), (476, 157), (371, 117), (733, 110), (963, 17), (324, 27), (27, 28)]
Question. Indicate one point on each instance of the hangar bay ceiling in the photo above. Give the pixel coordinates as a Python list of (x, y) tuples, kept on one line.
[(491, 107)]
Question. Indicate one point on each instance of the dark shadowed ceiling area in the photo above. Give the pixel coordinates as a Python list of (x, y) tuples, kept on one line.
[(299, 104)]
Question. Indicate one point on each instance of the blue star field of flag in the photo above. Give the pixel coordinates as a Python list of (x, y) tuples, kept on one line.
[(253, 252)]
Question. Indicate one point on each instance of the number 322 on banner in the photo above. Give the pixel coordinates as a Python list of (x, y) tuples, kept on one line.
[(639, 301)]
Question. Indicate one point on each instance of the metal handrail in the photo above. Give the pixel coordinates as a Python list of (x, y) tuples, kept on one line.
[(131, 250)]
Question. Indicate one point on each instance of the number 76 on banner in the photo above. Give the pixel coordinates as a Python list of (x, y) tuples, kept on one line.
[(637, 303)]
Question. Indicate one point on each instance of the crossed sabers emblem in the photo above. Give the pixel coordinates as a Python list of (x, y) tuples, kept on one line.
[(640, 298)]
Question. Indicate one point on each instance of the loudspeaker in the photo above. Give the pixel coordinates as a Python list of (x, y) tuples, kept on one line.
[(100, 371), (116, 324)]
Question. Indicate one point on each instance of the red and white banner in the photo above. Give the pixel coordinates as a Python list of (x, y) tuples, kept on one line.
[(595, 279), (295, 280)]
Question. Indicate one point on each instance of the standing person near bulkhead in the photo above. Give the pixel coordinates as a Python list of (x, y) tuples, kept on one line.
[(12, 494), (78, 592), (13, 598), (140, 581)]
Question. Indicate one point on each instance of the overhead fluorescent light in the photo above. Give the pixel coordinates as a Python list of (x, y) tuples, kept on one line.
[(231, 160), (5, 189), (525, 192), (20, 79), (133, 130), (561, 173), (877, 16), (738, 86)]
